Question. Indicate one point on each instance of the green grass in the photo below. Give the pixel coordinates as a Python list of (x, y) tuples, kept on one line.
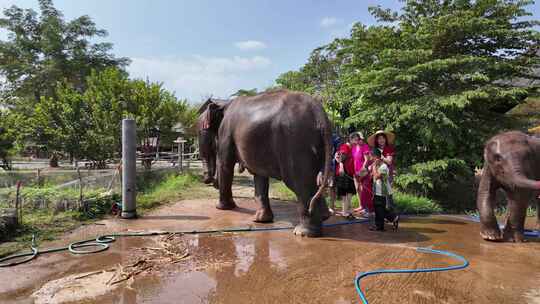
[(172, 188), (405, 203), (48, 224), (280, 191)]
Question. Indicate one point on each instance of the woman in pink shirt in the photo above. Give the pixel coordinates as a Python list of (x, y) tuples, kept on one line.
[(362, 179)]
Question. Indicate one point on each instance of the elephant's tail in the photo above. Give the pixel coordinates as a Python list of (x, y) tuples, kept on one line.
[(326, 134)]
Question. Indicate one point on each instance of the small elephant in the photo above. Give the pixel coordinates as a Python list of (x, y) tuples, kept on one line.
[(511, 163), (280, 134)]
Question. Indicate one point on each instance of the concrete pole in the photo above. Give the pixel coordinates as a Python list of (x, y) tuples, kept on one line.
[(129, 171)]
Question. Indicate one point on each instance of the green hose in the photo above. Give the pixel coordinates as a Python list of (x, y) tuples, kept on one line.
[(102, 242)]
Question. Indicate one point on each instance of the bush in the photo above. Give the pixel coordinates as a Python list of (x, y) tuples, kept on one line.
[(432, 176), (405, 203), (411, 204)]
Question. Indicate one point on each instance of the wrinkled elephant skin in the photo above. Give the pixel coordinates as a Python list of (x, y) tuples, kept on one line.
[(279, 134), (511, 163)]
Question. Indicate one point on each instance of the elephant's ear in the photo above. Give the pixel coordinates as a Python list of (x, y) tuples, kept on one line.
[(213, 114)]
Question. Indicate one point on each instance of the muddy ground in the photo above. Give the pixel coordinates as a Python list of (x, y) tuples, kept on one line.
[(274, 267)]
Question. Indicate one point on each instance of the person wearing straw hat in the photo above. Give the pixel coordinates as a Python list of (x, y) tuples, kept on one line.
[(384, 142)]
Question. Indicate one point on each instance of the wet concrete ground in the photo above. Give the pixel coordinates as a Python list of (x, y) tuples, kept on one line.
[(277, 267)]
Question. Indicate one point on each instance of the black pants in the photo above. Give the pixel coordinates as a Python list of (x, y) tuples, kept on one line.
[(381, 212)]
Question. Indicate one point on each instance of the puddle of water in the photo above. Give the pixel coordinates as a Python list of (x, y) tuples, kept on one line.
[(277, 267)]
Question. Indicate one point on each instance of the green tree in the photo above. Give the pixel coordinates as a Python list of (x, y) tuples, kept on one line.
[(63, 122), (320, 76), (44, 50), (108, 95), (6, 139), (156, 112), (87, 125), (436, 73)]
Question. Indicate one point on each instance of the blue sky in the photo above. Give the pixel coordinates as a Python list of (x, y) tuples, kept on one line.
[(200, 47)]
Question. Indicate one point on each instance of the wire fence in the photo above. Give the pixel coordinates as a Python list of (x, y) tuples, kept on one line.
[(61, 190)]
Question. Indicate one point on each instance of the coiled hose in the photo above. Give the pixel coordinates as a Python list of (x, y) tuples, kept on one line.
[(102, 242)]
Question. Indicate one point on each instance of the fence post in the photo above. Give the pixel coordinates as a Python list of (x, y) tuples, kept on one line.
[(38, 177), (129, 169), (81, 201), (182, 155), (18, 205)]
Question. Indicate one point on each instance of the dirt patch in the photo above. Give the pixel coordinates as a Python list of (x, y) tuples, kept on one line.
[(74, 288), (167, 250)]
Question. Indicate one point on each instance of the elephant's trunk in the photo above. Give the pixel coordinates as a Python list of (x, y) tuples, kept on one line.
[(520, 181), (518, 177)]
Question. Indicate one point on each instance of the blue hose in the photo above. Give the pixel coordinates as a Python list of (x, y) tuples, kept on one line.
[(361, 275)]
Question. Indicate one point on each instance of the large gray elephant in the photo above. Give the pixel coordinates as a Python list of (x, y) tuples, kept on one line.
[(511, 163), (280, 134)]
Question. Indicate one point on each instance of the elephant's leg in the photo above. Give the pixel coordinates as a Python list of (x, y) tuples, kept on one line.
[(518, 201), (264, 213), (310, 224), (225, 173), (210, 170), (489, 228)]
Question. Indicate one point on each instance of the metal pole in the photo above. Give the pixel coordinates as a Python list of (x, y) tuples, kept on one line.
[(129, 171)]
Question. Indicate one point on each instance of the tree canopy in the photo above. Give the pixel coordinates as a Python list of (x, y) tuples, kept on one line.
[(69, 94), (437, 73), (88, 124), (44, 50)]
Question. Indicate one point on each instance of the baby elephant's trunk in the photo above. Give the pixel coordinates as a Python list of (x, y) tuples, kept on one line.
[(523, 182)]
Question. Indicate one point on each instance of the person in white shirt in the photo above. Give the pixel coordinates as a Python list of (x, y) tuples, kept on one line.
[(382, 189)]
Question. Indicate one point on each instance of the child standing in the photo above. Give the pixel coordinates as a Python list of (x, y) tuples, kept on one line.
[(382, 191)]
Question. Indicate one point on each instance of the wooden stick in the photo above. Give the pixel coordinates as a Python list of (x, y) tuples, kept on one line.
[(89, 274)]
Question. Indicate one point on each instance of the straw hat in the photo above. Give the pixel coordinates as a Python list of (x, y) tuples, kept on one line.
[(389, 136), (535, 130)]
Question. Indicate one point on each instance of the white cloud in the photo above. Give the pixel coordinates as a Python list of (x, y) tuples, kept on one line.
[(197, 76), (327, 22), (249, 45)]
